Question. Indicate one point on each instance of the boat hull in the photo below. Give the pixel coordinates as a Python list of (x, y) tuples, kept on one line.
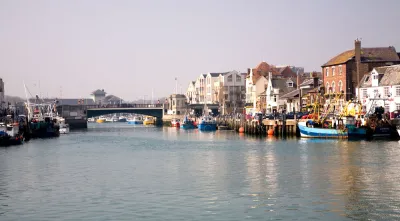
[(207, 127), (122, 120), (100, 121), (64, 130), (354, 132), (187, 126), (310, 132), (148, 122), (135, 122)]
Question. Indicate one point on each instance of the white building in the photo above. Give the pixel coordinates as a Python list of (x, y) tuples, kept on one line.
[(231, 91), (191, 93), (255, 87), (177, 104), (277, 87), (210, 95), (98, 96), (381, 88)]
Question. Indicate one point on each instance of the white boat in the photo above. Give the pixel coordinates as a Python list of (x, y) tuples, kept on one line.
[(136, 120), (64, 128), (109, 119), (91, 119)]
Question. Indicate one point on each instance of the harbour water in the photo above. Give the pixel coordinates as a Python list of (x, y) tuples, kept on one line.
[(124, 172)]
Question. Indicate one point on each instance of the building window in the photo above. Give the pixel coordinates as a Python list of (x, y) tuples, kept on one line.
[(238, 78), (230, 78), (386, 91), (327, 86), (274, 98), (375, 76), (333, 71), (398, 91), (340, 69), (290, 84), (398, 107), (340, 85), (327, 72), (376, 93), (333, 86), (364, 93)]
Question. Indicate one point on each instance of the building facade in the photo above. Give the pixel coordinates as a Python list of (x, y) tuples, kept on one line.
[(2, 95), (177, 104), (381, 88), (98, 96), (343, 72)]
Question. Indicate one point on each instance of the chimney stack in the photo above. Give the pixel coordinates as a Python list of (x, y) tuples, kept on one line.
[(357, 54), (316, 80)]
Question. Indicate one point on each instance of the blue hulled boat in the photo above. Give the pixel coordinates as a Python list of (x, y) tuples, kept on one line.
[(187, 123), (207, 123), (307, 130), (136, 120)]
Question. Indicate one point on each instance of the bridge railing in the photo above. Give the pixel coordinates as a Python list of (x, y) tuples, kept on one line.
[(123, 106)]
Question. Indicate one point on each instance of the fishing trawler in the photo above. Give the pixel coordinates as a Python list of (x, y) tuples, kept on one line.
[(207, 123), (187, 123)]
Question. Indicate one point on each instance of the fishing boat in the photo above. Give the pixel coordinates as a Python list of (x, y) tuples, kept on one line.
[(175, 122), (101, 120), (148, 120), (187, 123), (122, 119), (207, 123), (136, 120), (109, 120), (311, 129), (91, 119)]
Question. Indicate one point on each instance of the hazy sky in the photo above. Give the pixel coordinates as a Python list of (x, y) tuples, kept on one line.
[(129, 47)]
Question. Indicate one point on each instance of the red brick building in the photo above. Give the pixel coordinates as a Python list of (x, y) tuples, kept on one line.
[(344, 71)]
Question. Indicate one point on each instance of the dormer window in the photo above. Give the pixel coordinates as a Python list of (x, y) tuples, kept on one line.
[(289, 83), (375, 76)]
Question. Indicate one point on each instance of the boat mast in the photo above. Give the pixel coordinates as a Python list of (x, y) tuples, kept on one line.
[(27, 102)]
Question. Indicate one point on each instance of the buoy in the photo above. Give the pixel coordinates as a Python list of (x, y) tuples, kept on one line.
[(241, 130), (270, 132)]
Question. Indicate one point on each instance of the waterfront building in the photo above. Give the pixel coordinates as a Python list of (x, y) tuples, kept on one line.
[(231, 92), (343, 72), (299, 99), (177, 104), (277, 87), (98, 96), (381, 88), (191, 93)]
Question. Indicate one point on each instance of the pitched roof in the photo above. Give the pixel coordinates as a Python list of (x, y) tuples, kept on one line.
[(310, 82), (111, 98), (263, 66), (281, 83), (216, 74), (391, 75), (98, 91), (388, 75), (291, 94), (381, 54)]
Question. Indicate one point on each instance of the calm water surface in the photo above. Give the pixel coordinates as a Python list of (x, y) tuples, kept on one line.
[(121, 172)]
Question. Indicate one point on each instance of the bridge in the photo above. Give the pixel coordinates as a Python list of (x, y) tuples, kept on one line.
[(155, 110)]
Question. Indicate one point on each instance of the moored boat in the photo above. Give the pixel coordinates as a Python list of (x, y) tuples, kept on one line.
[(64, 128), (187, 123), (207, 123), (136, 120), (101, 120), (307, 129), (122, 119), (175, 122), (148, 120)]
